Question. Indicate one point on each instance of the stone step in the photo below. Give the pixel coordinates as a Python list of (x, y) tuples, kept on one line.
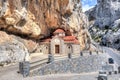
[(38, 65)]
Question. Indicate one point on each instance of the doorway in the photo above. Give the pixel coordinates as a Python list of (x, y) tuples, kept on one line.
[(57, 49)]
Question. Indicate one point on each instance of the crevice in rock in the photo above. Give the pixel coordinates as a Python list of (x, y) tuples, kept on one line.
[(24, 36)]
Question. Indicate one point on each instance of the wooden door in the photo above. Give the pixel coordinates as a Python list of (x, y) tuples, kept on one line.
[(57, 49)]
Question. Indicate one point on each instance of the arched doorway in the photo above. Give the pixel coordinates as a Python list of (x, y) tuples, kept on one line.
[(69, 48)]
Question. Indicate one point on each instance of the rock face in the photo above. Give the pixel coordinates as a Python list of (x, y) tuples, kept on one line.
[(18, 21), (111, 39), (105, 12), (37, 19), (106, 37), (11, 50), (104, 21)]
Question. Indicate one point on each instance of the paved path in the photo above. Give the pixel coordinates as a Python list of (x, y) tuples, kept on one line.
[(10, 73), (114, 54)]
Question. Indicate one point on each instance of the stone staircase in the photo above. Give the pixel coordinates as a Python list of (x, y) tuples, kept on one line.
[(37, 64)]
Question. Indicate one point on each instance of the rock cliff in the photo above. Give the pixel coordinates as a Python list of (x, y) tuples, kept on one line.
[(11, 50), (28, 21), (105, 13), (104, 21)]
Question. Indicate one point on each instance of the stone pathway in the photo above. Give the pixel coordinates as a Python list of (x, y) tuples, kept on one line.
[(114, 54)]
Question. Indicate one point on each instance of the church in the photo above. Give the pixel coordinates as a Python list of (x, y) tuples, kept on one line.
[(59, 43)]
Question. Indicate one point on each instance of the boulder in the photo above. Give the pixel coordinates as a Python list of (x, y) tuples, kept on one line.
[(11, 50)]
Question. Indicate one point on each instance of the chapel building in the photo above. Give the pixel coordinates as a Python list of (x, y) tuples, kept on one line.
[(59, 44)]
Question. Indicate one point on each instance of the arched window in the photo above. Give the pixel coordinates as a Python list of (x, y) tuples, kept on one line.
[(69, 49)]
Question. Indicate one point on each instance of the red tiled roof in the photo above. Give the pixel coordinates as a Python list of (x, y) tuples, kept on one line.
[(71, 39), (59, 31), (73, 42)]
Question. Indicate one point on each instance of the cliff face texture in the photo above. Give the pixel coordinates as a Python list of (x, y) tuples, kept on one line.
[(36, 18), (106, 12), (105, 22), (27, 21)]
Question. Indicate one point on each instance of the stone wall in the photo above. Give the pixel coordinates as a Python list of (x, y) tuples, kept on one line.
[(65, 48), (76, 48), (43, 48), (85, 63), (71, 48), (11, 52)]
